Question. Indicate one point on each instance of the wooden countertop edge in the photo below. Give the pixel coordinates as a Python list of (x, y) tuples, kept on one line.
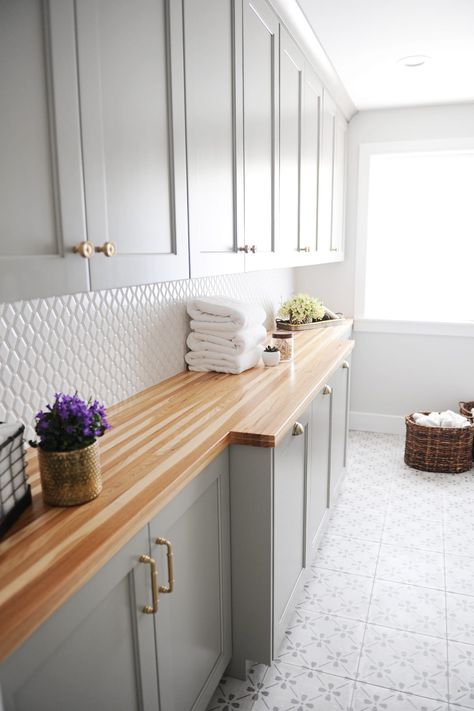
[(22, 612)]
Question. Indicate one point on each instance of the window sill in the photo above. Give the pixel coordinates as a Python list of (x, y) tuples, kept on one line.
[(460, 329)]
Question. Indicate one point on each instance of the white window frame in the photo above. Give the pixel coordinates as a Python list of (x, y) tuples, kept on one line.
[(366, 151)]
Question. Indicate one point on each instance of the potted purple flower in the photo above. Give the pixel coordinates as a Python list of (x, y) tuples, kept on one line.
[(68, 450)]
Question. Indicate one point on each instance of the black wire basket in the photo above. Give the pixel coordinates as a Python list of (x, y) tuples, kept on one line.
[(15, 492)]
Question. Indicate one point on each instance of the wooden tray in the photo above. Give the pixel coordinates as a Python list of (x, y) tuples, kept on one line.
[(286, 326)]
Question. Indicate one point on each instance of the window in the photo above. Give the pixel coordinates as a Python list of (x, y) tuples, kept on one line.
[(418, 261)]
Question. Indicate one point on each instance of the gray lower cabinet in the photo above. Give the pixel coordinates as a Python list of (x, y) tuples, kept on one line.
[(268, 533), (340, 382), (192, 625), (96, 652), (101, 651), (318, 468)]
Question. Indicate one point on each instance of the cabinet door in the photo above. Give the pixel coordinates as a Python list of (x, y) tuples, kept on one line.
[(339, 192), (132, 114), (332, 182), (310, 160), (193, 635), (290, 459), (260, 62), (318, 469), (291, 115), (97, 651), (213, 70), (41, 196), (340, 383)]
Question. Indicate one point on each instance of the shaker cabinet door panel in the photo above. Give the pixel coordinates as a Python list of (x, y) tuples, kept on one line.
[(41, 196), (132, 113), (310, 160), (289, 490), (213, 71), (97, 651), (291, 116), (318, 469), (193, 635), (338, 200), (260, 81)]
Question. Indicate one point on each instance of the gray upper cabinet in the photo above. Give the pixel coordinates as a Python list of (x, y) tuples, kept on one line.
[(291, 123), (213, 71), (192, 624), (131, 88), (96, 652), (41, 193), (332, 182), (310, 163), (261, 84)]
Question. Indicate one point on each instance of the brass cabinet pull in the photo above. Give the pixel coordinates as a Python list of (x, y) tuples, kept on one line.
[(85, 249), (297, 430), (346, 364), (170, 556), (151, 609), (327, 390), (108, 249)]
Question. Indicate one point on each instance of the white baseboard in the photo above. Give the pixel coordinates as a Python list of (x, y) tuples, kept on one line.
[(375, 422)]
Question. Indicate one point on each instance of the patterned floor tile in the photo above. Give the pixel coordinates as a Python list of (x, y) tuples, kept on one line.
[(405, 530), (424, 506), (459, 574), (375, 698), (289, 688), (405, 661), (460, 617), (336, 593), (347, 554), (236, 695), (408, 607), (411, 565), (323, 642), (459, 536), (461, 674), (362, 523)]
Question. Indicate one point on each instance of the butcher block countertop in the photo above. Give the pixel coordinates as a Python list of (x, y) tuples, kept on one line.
[(161, 439)]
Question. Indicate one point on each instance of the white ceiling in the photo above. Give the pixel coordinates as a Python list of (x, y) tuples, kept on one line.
[(365, 38)]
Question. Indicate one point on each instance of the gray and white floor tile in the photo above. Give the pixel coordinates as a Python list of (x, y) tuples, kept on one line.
[(385, 617)]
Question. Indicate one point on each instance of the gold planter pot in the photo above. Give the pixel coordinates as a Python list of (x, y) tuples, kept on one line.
[(70, 478)]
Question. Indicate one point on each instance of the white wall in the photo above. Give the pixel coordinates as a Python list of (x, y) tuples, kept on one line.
[(394, 374)]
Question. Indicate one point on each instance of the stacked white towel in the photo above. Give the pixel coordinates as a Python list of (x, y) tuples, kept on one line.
[(226, 336), (448, 418)]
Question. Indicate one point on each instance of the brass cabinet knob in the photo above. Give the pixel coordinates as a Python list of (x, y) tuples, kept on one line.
[(298, 429), (245, 249), (304, 249), (327, 390), (253, 248), (85, 249), (108, 249), (346, 364)]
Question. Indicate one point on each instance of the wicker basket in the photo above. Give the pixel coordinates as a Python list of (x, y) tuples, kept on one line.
[(438, 449), (465, 408)]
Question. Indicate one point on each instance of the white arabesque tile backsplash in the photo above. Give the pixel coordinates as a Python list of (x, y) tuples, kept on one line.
[(109, 344)]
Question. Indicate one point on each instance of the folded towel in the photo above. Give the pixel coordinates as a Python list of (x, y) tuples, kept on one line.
[(448, 418), (224, 314), (232, 344), (221, 362)]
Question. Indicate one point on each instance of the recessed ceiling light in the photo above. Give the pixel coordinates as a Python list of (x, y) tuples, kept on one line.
[(414, 60)]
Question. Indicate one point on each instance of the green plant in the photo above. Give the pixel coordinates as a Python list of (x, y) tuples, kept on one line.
[(271, 349), (303, 308)]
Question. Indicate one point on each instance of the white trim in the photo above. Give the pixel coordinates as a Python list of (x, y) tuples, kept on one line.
[(366, 150), (376, 422), (461, 329)]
